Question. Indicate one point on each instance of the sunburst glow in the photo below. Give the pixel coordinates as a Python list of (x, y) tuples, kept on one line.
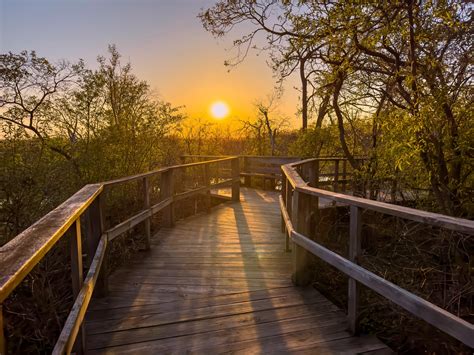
[(219, 110)]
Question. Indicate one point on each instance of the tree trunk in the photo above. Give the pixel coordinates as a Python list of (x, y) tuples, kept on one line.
[(304, 95), (340, 120)]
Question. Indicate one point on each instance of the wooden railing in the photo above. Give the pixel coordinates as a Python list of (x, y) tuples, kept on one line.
[(19, 256), (300, 198), (332, 172)]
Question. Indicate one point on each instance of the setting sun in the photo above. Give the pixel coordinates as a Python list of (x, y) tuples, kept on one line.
[(219, 110)]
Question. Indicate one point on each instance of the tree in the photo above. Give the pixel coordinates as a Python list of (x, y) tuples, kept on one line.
[(288, 52), (29, 85), (265, 125), (412, 57)]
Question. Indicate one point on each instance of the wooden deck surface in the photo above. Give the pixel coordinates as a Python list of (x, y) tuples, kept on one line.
[(218, 283)]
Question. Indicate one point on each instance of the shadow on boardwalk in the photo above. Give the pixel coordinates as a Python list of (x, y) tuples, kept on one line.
[(216, 283)]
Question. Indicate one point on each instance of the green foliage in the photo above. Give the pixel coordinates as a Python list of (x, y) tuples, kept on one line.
[(376, 59), (64, 126)]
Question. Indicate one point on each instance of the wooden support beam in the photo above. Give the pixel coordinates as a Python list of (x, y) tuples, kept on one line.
[(344, 175), (289, 208), (313, 179), (236, 179), (21, 254), (207, 184), (440, 318), (300, 221), (283, 196), (146, 206), (336, 175), (77, 278), (94, 231), (76, 316), (354, 251), (167, 191), (247, 178)]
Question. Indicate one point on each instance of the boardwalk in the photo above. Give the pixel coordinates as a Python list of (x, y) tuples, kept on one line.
[(215, 283)]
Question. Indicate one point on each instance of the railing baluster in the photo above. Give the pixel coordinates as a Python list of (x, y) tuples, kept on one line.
[(77, 277), (289, 208), (336, 175), (94, 230), (313, 180), (300, 220), (283, 196), (207, 183), (344, 174), (354, 250), (316, 173), (146, 205), (236, 179), (247, 178), (167, 191)]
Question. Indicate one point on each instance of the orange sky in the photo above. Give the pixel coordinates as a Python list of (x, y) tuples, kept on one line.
[(163, 39)]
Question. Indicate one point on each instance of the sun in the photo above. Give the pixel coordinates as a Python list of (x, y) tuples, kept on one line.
[(219, 110)]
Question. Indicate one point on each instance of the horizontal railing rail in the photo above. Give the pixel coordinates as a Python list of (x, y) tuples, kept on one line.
[(331, 171), (20, 255), (296, 205)]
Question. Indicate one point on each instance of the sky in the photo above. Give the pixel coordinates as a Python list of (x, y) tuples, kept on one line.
[(164, 41)]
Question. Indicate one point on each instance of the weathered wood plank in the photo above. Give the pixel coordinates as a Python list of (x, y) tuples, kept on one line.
[(146, 206), (195, 302), (127, 179), (181, 337), (435, 219), (77, 276), (76, 316), (213, 279), (443, 320), (22, 253), (148, 320), (354, 250)]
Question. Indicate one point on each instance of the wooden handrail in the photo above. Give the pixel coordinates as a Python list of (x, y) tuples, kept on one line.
[(162, 170), (436, 219), (327, 157), (19, 256), (268, 168), (75, 318), (296, 188)]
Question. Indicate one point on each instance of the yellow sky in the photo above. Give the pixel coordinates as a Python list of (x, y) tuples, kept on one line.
[(164, 40)]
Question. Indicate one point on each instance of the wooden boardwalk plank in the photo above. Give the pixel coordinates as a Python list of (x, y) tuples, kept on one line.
[(215, 283)]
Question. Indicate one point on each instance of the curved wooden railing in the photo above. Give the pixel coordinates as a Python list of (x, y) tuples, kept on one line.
[(334, 172), (300, 182), (299, 199), (19, 256)]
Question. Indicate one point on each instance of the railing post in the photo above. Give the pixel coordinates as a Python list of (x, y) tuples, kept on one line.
[(235, 179), (167, 191), (336, 175), (247, 178), (289, 208), (313, 179), (3, 343), (146, 206), (344, 174), (300, 220), (207, 183), (354, 250), (316, 173), (77, 277), (94, 230), (283, 196)]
